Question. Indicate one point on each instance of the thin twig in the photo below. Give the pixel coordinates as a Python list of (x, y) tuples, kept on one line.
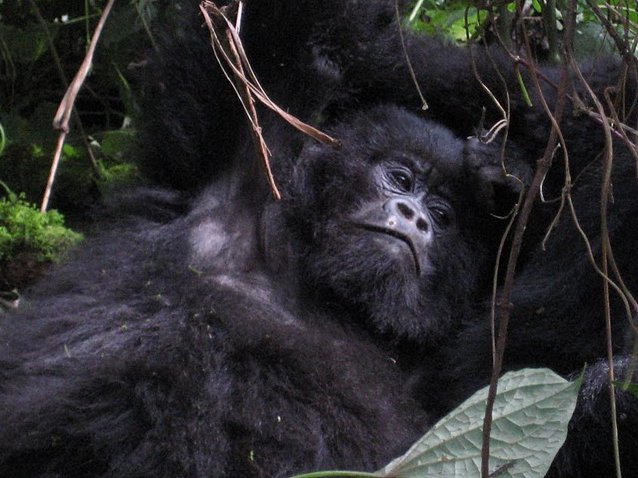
[(241, 89), (621, 45), (251, 81), (504, 306), (62, 116), (612, 261), (501, 125), (145, 25), (247, 86), (606, 246), (65, 82), (424, 103)]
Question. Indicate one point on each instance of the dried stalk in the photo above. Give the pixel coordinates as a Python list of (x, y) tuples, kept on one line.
[(63, 115)]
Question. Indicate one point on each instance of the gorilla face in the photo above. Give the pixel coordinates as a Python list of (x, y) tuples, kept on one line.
[(382, 220), (408, 214)]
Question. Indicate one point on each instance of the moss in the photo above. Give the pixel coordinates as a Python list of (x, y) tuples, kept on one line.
[(25, 230)]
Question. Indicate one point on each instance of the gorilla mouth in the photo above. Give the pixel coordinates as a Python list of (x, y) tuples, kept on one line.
[(397, 235)]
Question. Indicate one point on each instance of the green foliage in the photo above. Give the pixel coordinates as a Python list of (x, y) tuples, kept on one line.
[(460, 20), (114, 172), (40, 52), (531, 413), (116, 176), (627, 387), (454, 19), (633, 389), (24, 229)]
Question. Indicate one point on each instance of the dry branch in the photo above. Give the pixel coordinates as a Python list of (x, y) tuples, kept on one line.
[(229, 48), (63, 115)]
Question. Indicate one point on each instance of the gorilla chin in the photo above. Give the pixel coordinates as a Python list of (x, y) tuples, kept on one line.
[(398, 244)]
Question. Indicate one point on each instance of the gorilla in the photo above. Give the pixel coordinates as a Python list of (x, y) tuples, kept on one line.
[(218, 343), (211, 330)]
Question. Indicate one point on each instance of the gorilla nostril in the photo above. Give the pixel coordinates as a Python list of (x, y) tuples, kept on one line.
[(422, 225), (405, 210)]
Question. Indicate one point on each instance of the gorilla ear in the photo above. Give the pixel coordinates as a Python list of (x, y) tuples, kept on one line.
[(497, 174)]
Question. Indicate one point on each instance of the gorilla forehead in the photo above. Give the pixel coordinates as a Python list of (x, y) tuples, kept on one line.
[(382, 134), (388, 128)]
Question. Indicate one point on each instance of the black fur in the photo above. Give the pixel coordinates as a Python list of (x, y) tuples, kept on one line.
[(252, 341), (249, 337)]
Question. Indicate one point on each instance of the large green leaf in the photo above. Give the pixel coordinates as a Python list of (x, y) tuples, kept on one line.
[(531, 413)]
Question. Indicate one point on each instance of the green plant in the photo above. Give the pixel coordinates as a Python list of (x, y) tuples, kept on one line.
[(24, 229)]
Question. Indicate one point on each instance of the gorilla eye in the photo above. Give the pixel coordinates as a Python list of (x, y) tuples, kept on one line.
[(403, 179), (441, 215)]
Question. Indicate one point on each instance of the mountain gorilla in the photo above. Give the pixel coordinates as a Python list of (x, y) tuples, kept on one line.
[(237, 341), (248, 336), (254, 337)]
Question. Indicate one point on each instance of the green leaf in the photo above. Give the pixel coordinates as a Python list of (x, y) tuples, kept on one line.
[(631, 388), (3, 139), (531, 413), (537, 6), (337, 474), (26, 44), (70, 151), (116, 143)]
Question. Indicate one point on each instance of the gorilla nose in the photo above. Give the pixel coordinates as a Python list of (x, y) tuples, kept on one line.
[(406, 216)]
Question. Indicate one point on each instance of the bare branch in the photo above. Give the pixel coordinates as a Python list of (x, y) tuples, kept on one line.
[(62, 116)]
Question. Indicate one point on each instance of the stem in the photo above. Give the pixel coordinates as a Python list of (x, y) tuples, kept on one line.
[(549, 21), (504, 306), (63, 115)]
